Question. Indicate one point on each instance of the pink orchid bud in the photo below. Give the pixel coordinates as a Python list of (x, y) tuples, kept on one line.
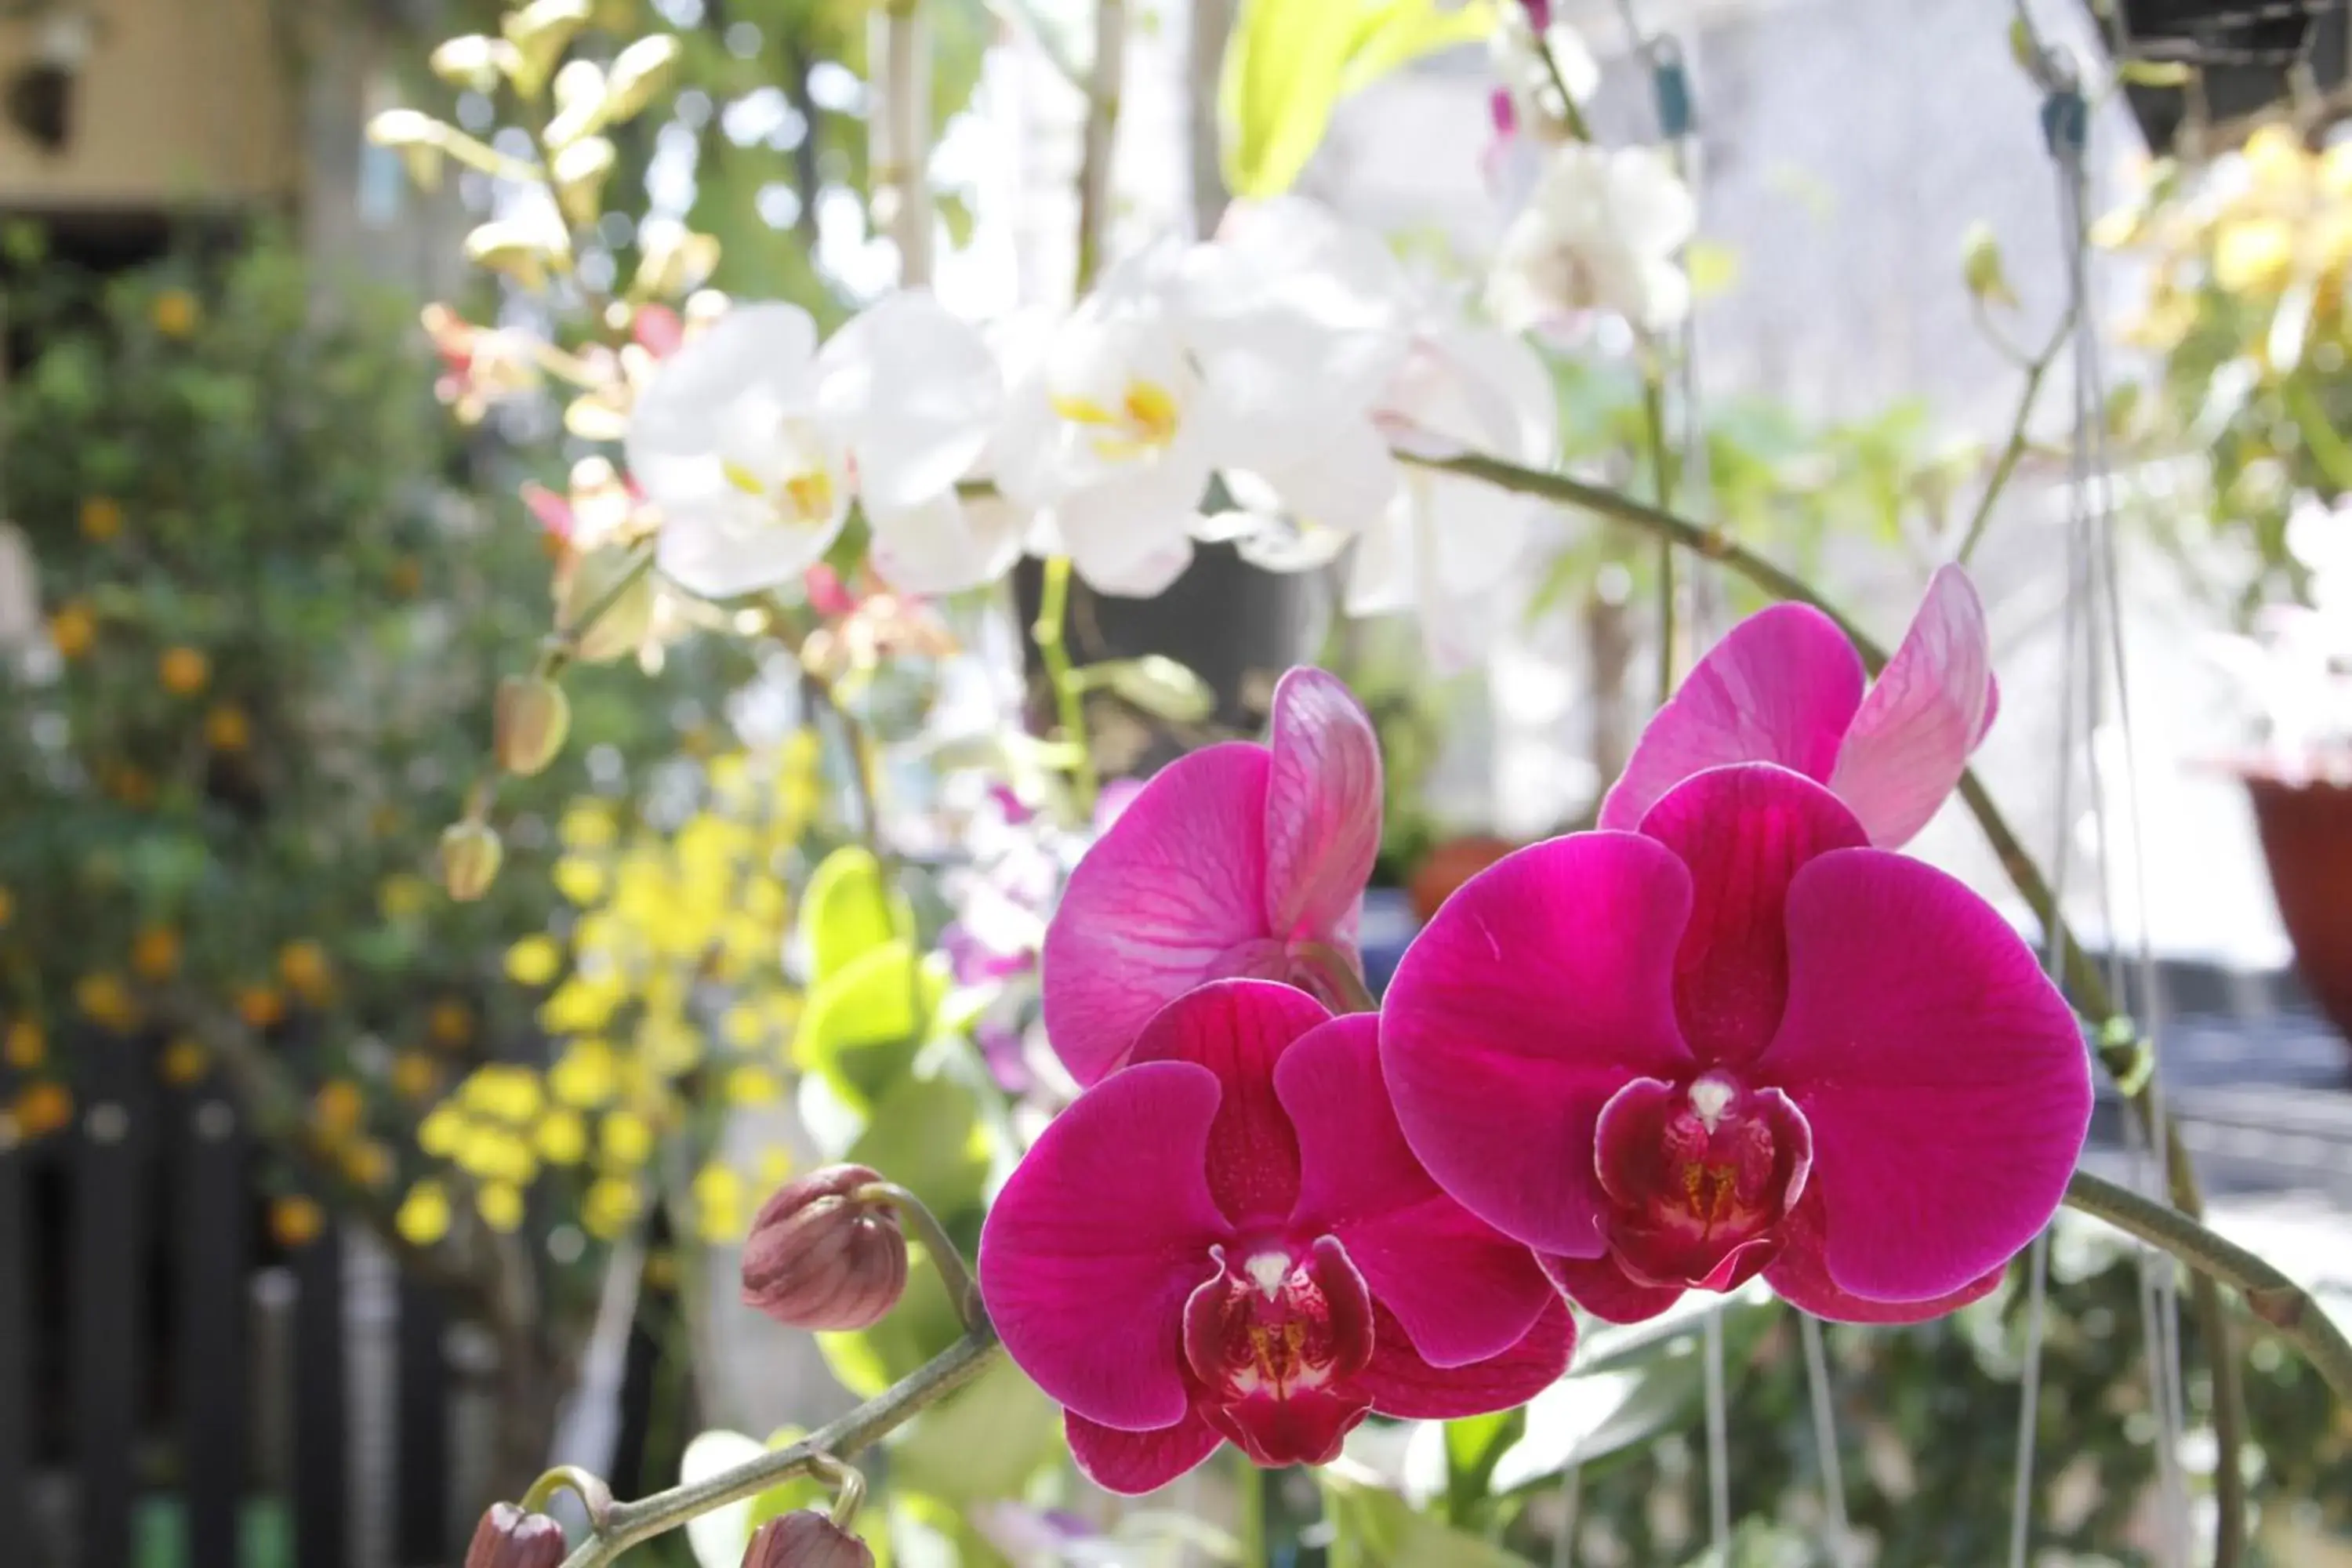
[(510, 1538), (819, 1257), (805, 1539)]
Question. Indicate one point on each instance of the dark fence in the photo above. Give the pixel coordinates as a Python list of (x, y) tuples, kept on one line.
[(177, 1383)]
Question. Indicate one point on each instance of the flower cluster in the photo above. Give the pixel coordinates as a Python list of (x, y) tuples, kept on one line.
[(1251, 389), (1732, 1033)]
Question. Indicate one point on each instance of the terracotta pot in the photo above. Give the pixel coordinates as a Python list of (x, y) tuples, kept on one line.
[(2306, 831)]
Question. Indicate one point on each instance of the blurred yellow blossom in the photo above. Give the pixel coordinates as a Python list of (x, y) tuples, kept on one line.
[(73, 629), (587, 824), (25, 1046), (104, 999), (506, 1090), (500, 1206), (563, 1137), (718, 1204), (101, 519), (183, 671), (260, 1007), (338, 1108), (750, 1085), (611, 1206), (440, 1132), (155, 953), (414, 1075), (303, 965), (625, 1138), (580, 880), (534, 960), (424, 1215), (582, 1003), (402, 896), (368, 1163), (43, 1108), (297, 1221), (186, 1061), (175, 313), (450, 1023), (226, 729)]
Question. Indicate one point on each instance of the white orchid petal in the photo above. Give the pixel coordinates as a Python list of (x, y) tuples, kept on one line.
[(715, 559), (946, 544), (915, 391)]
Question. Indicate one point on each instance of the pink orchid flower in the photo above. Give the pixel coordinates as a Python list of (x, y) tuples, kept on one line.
[(1740, 1041), (1229, 1240), (1785, 686), (1239, 860)]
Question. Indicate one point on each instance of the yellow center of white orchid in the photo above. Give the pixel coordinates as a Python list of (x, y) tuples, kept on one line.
[(1144, 422)]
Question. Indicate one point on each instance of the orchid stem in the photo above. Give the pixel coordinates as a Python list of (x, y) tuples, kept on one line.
[(2036, 370), (2270, 1295), (946, 1257), (627, 1524), (1100, 138), (1051, 635), (1662, 475)]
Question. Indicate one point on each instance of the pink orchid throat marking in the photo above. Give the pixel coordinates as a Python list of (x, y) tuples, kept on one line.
[(1275, 1338), (1699, 1178)]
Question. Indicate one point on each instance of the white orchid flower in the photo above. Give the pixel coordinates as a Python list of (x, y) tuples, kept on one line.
[(915, 393), (1601, 232), (1110, 433), (751, 479), (1448, 548), (1300, 319)]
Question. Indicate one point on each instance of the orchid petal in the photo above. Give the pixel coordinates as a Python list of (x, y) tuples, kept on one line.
[(1404, 1386), (1124, 529), (1133, 1463), (712, 558), (1607, 1291), (1945, 1079), (1743, 831), (1909, 743), (1239, 1029), (1799, 1279), (1463, 1291), (945, 544), (914, 390), (1322, 805), (1341, 483), (1539, 988), (1161, 903), (1100, 1234), (1781, 687)]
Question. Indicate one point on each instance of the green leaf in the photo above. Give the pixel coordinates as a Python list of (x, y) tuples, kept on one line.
[(1289, 62), (860, 1028), (1159, 685), (847, 912), (1473, 1444), (926, 1136), (983, 1442), (1383, 1532)]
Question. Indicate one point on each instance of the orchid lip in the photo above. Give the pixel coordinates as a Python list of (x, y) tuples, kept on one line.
[(1699, 1176)]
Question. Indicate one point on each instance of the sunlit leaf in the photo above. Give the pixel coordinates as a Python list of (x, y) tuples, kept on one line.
[(848, 912), (1382, 1531), (861, 1025), (926, 1136), (984, 1442)]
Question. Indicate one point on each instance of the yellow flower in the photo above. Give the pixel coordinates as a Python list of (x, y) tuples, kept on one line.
[(579, 879), (424, 1216), (750, 1085), (414, 1075), (105, 1000), (588, 825), (73, 628), (442, 1131), (494, 1153), (303, 966), (43, 1108), (510, 1093), (625, 1138), (186, 1061), (402, 896), (579, 1004), (155, 953), (586, 1075), (563, 1137), (183, 671), (296, 1221), (744, 1026), (368, 1163), (612, 1205), (2253, 255), (450, 1023), (101, 519), (175, 313), (775, 1166), (718, 1204), (534, 960), (260, 1007), (501, 1207), (338, 1108), (226, 729), (25, 1046)]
